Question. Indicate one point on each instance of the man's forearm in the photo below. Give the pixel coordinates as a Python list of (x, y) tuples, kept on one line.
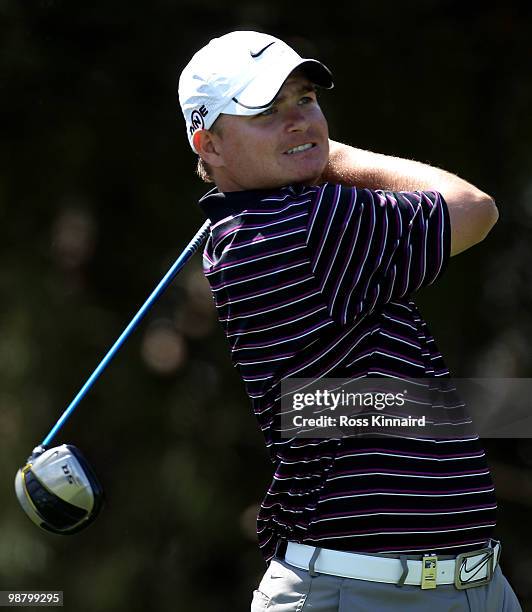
[(473, 213), (365, 169)]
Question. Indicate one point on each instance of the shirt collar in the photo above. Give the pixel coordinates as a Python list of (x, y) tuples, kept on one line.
[(217, 205)]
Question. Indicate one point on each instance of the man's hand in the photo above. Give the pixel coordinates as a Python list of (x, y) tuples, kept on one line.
[(472, 212)]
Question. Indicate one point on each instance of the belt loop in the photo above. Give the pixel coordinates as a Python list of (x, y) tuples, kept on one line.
[(312, 561), (404, 575), (493, 544)]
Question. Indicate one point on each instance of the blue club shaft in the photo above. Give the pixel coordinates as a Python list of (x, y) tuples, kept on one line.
[(189, 250)]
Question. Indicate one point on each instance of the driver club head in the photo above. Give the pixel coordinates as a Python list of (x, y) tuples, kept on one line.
[(58, 489)]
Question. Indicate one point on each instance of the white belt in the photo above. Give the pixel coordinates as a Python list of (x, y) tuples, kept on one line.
[(466, 570)]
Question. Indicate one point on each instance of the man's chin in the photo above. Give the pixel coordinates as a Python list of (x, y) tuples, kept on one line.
[(311, 179), (313, 176), (306, 178)]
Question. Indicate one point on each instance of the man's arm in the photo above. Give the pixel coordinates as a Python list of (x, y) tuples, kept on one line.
[(472, 212)]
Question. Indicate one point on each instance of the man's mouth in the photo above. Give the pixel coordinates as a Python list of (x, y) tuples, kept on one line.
[(300, 148)]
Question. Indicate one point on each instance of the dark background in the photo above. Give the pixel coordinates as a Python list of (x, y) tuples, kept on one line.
[(98, 197)]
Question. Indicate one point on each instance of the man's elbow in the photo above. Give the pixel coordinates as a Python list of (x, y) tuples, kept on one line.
[(484, 216), (491, 215), (473, 223)]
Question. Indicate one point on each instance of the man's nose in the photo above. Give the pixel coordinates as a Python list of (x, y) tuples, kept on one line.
[(296, 120)]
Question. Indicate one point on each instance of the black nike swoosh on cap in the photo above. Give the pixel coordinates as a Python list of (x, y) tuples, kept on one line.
[(261, 51)]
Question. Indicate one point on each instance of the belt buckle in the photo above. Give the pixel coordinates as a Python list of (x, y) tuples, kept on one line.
[(461, 562)]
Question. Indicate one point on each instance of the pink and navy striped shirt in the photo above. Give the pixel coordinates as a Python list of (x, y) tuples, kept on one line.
[(314, 282)]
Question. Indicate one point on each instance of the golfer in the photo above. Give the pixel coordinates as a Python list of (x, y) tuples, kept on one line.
[(315, 252)]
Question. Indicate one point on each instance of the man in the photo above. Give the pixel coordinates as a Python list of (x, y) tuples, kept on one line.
[(312, 260)]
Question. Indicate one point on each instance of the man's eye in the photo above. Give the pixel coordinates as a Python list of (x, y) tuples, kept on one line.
[(268, 111), (307, 100)]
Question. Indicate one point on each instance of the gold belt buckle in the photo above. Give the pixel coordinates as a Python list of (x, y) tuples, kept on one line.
[(464, 576), (429, 569)]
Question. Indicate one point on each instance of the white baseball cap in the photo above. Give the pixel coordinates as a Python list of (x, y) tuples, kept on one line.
[(239, 73)]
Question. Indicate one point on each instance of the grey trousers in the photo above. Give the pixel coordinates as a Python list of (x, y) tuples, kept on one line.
[(285, 588)]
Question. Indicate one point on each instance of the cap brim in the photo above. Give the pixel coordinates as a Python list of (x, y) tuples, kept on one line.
[(260, 93)]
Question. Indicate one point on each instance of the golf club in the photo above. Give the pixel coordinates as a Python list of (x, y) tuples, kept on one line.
[(57, 488)]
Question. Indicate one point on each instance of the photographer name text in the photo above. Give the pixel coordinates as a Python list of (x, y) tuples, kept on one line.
[(375, 420)]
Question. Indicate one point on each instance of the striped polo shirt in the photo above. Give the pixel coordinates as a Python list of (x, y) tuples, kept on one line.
[(314, 282)]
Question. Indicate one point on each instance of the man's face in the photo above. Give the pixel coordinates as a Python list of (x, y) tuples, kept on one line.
[(259, 152)]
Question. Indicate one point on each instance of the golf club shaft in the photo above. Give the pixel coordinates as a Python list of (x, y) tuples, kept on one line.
[(190, 249)]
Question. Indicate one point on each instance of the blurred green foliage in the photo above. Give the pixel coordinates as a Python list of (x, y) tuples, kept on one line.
[(97, 198)]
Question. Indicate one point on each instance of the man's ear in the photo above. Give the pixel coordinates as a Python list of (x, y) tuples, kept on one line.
[(207, 145)]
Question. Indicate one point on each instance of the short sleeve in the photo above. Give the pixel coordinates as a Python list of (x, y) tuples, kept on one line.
[(368, 247)]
